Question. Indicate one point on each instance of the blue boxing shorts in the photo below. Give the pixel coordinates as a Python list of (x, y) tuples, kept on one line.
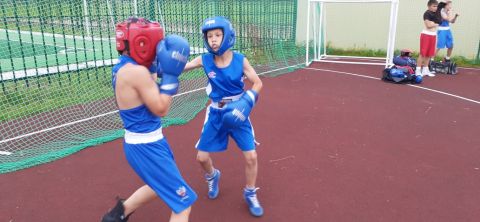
[(444, 39), (153, 161), (214, 137)]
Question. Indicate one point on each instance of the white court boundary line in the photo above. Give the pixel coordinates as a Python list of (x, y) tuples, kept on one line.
[(112, 112), (477, 69), (416, 86), (57, 35), (18, 74)]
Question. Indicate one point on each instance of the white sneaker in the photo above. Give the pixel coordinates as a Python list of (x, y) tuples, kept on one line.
[(426, 72), (418, 73)]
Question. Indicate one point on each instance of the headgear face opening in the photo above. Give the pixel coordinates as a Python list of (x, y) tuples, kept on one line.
[(139, 37), (219, 22)]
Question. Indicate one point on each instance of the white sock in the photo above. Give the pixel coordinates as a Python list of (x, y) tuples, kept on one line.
[(212, 174)]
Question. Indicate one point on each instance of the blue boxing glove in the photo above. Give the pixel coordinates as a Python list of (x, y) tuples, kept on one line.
[(418, 79), (237, 112), (172, 56)]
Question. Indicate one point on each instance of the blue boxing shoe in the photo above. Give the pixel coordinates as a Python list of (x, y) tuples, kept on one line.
[(254, 206), (212, 181)]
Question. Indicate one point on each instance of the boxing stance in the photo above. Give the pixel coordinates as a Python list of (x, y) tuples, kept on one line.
[(228, 114), (142, 102)]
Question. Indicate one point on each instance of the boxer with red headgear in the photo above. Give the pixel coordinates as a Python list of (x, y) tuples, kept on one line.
[(139, 37), (141, 102)]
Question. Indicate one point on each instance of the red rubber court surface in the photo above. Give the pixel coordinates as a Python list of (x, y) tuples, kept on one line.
[(335, 146)]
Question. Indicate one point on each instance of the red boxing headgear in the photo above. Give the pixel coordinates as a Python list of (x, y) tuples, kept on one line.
[(140, 37), (406, 52)]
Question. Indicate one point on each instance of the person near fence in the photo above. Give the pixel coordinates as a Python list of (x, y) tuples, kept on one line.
[(444, 33), (428, 39), (142, 102), (228, 113)]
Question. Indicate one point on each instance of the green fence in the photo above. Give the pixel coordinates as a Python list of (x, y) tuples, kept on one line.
[(56, 59)]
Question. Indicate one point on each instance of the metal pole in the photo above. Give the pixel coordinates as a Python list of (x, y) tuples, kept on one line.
[(87, 19), (315, 15), (308, 32), (392, 32), (135, 8)]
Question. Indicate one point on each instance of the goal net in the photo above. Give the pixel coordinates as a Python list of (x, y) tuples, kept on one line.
[(343, 31)]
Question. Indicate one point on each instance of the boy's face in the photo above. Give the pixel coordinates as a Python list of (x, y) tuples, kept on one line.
[(433, 7), (215, 37)]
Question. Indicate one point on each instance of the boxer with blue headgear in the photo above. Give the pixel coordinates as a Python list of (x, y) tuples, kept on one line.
[(228, 114), (228, 34)]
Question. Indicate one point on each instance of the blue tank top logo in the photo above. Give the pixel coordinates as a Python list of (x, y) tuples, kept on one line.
[(212, 75)]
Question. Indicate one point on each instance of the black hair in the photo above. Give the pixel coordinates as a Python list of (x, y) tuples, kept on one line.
[(441, 6), (432, 2)]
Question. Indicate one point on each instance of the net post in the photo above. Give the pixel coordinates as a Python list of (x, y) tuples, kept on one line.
[(308, 32), (110, 13), (135, 8), (314, 31), (392, 32), (87, 19), (319, 11), (324, 28)]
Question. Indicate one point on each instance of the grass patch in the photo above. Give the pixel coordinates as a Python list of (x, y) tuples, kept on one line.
[(25, 49), (460, 60), (30, 96)]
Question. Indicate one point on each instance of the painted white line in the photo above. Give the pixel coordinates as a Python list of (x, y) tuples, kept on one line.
[(445, 93), (56, 69), (263, 73), (57, 35), (416, 86), (56, 127), (57, 45), (351, 62), (346, 73), (476, 69), (72, 67), (5, 153)]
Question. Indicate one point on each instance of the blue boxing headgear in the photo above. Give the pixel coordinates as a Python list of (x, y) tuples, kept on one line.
[(219, 22), (397, 75)]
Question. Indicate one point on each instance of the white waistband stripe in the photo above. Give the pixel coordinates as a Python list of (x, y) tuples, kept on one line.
[(140, 138), (233, 98), (426, 32)]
